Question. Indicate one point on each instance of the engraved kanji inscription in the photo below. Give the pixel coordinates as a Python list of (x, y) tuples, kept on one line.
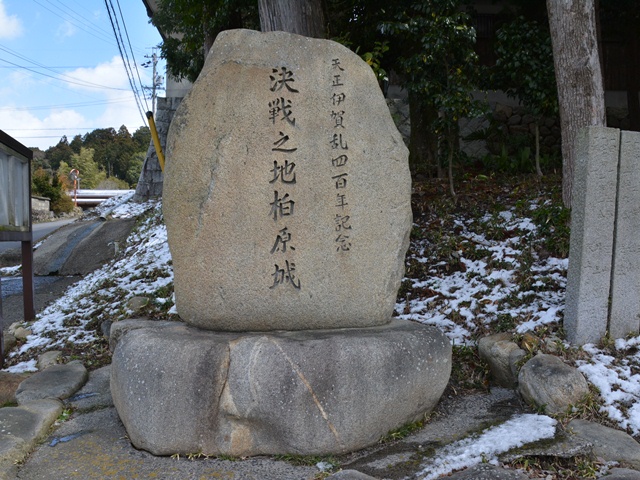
[(281, 206), (282, 241), (285, 173), (280, 78), (284, 275)]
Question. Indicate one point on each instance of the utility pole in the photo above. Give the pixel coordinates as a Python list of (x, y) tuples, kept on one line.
[(157, 79)]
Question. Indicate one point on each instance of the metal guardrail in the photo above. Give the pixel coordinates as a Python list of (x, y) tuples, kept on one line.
[(90, 198)]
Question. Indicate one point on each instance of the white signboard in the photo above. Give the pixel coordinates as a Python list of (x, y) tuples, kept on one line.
[(15, 192)]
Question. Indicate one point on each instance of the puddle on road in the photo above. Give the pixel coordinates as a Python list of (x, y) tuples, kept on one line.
[(13, 285)]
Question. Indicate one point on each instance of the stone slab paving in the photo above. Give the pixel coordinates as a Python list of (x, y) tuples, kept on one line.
[(608, 443), (39, 405), (93, 444), (622, 474), (57, 381)]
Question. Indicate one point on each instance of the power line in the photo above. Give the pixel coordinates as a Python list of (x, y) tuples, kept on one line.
[(81, 27), (118, 34), (46, 129), (73, 80), (67, 105), (135, 64), (73, 11)]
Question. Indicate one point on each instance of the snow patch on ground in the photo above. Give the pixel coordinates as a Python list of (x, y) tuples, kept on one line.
[(485, 447), (618, 381), (487, 289), (142, 269)]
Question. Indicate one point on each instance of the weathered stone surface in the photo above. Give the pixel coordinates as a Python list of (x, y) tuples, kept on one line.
[(622, 474), (137, 303), (119, 329), (546, 381), (179, 389), (57, 381), (10, 341), (501, 353), (486, 471), (22, 333), (609, 444), (564, 445), (95, 394), (9, 383), (47, 359), (228, 183), (21, 427), (350, 475), (592, 223), (625, 281)]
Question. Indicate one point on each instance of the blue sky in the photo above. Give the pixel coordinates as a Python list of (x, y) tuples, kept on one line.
[(61, 72)]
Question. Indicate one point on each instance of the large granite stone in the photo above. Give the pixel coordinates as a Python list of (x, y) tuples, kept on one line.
[(287, 189), (179, 389)]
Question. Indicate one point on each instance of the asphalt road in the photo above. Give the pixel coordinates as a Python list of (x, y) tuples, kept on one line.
[(40, 230)]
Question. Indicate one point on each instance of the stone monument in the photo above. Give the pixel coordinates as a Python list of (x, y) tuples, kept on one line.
[(287, 204)]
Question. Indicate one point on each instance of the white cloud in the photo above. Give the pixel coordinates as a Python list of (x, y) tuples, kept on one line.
[(66, 29), (109, 74), (10, 25), (112, 74), (42, 133), (104, 100)]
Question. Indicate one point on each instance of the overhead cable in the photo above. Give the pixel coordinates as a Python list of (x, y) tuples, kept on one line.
[(118, 35)]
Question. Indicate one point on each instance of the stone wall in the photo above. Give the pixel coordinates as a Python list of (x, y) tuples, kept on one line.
[(152, 178), (509, 121)]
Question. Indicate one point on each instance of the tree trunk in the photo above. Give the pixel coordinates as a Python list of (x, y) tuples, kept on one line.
[(304, 17), (578, 76), (538, 169)]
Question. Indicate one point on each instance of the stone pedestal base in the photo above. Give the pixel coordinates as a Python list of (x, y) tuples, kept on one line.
[(182, 390)]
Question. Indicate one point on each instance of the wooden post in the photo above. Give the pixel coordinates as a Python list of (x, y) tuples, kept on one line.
[(27, 281), (1, 330)]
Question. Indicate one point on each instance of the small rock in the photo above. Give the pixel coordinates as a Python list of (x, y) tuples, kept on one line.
[(21, 333), (552, 344), (514, 120), (350, 475), (546, 381), (9, 383), (609, 444), (105, 328), (622, 474), (503, 111), (515, 359), (501, 353), (9, 341), (48, 359), (137, 303), (13, 326)]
